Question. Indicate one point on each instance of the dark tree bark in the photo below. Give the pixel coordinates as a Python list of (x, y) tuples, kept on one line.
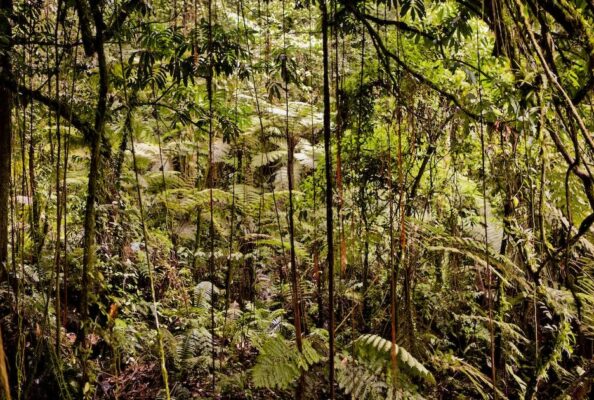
[(5, 131), (329, 222), (294, 272), (94, 169)]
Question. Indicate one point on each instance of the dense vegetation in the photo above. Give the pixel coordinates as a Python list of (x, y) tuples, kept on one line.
[(262, 199)]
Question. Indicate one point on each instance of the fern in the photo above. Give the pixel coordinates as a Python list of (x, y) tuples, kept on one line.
[(270, 157), (159, 181), (436, 240), (367, 374), (481, 383), (359, 381), (246, 194), (377, 350), (564, 342), (275, 242), (279, 363), (202, 293), (187, 200), (194, 343)]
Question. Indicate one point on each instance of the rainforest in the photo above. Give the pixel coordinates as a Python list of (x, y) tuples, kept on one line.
[(296, 199)]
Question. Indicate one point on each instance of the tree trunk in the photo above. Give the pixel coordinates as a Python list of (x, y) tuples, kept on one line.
[(89, 220), (5, 133), (329, 222)]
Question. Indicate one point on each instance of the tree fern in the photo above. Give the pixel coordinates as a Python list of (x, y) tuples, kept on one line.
[(435, 239), (262, 159), (172, 180), (185, 200)]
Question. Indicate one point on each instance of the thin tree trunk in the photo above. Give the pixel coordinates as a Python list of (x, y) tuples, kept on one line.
[(317, 275), (89, 220), (5, 134), (211, 181), (329, 222), (35, 217), (391, 264), (366, 311), (294, 273)]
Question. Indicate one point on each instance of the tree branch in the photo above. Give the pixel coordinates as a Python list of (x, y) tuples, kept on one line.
[(400, 25), (381, 46), (65, 110), (124, 12)]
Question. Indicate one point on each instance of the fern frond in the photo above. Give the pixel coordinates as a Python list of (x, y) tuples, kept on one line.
[(360, 382), (185, 200), (481, 383), (377, 349), (271, 157), (202, 294), (194, 343), (172, 180), (279, 363), (276, 366)]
